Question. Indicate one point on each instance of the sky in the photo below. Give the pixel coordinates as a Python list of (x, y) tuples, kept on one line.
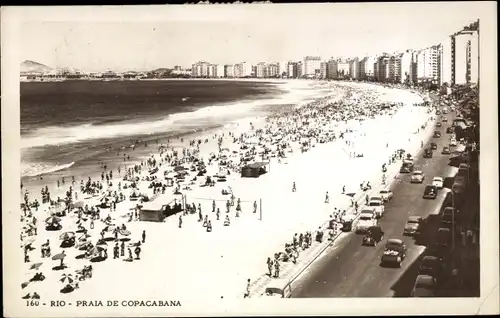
[(149, 37)]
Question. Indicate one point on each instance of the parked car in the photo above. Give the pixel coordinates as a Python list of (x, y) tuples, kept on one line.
[(279, 288), (412, 226), (438, 182), (434, 146), (430, 192), (446, 217), (453, 142), (438, 112), (438, 124), (386, 194), (437, 134), (425, 286), (444, 119), (432, 266), (428, 153), (446, 151), (373, 236), (406, 167), (417, 177), (450, 130), (394, 253), (443, 238)]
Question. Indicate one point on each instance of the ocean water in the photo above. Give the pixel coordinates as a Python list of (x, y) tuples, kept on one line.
[(69, 128)]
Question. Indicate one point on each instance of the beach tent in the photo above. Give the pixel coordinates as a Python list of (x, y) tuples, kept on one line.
[(154, 211), (254, 170)]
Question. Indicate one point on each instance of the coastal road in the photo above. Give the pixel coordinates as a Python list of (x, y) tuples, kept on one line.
[(353, 270)]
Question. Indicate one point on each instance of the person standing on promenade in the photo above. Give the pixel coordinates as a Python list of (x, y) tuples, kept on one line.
[(270, 266), (276, 269)]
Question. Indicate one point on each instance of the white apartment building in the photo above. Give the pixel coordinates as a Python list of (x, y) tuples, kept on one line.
[(261, 70), (272, 70), (367, 68), (324, 70), (200, 69), (343, 68), (428, 64), (354, 70), (292, 70), (466, 57), (406, 66), (282, 69), (312, 64), (447, 61), (229, 70)]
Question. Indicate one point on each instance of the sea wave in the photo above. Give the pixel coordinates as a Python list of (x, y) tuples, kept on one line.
[(58, 135), (36, 169)]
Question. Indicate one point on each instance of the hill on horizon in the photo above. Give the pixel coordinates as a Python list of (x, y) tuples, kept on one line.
[(34, 67)]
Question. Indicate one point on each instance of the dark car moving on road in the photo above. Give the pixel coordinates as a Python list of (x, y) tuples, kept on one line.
[(437, 134), (406, 167), (430, 192), (428, 153), (446, 151), (434, 146)]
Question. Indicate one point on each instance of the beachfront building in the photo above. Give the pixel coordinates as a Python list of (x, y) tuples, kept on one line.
[(292, 71), (177, 68), (229, 70), (367, 68), (312, 66), (343, 68), (466, 57), (272, 70), (200, 69), (447, 61), (381, 68), (300, 69), (243, 69), (354, 70), (332, 69), (324, 70), (282, 69), (428, 65), (261, 70)]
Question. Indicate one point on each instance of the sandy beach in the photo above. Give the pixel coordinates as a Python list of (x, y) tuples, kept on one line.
[(331, 145)]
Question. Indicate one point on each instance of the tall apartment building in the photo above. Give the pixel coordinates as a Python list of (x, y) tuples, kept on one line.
[(354, 69), (324, 70), (272, 70), (261, 70), (343, 68), (381, 68), (243, 69), (367, 68), (428, 64), (447, 61), (311, 65), (200, 69), (282, 69), (466, 57), (300, 69), (229, 70), (292, 70), (332, 69)]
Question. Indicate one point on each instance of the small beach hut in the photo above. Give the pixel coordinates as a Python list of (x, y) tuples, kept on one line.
[(155, 210), (254, 170)]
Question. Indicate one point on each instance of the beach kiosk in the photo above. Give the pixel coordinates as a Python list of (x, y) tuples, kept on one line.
[(254, 170), (154, 211)]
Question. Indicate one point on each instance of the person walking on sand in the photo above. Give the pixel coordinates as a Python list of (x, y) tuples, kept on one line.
[(143, 236), (247, 290), (213, 206), (254, 206), (122, 249), (343, 189), (116, 251), (327, 198), (217, 214), (294, 188), (276, 269), (180, 221)]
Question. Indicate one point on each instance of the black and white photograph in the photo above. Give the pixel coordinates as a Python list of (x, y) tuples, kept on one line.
[(248, 159)]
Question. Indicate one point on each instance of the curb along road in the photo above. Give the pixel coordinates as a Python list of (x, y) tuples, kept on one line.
[(393, 171)]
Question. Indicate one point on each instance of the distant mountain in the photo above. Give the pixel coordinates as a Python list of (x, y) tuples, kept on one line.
[(34, 67)]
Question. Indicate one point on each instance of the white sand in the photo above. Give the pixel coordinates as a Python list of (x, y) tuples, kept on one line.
[(188, 262)]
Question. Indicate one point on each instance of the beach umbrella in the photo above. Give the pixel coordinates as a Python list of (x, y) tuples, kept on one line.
[(36, 266), (124, 232), (67, 236), (28, 240), (79, 204), (53, 219), (109, 228), (59, 256), (179, 168), (67, 278)]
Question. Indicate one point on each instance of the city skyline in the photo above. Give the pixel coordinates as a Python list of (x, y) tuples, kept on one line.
[(183, 40)]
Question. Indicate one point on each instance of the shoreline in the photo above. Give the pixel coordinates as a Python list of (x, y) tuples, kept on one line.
[(241, 185)]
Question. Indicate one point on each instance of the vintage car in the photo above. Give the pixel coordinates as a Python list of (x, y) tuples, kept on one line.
[(432, 266), (446, 151), (406, 167), (453, 142), (434, 146), (438, 182), (450, 130), (438, 124), (417, 177), (279, 288), (366, 220), (394, 253), (347, 223), (443, 238), (425, 286), (447, 217), (430, 192), (437, 134), (444, 119), (377, 204), (386, 194), (412, 226), (428, 153), (373, 236)]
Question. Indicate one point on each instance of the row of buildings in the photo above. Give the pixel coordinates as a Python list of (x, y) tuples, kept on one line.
[(454, 61)]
